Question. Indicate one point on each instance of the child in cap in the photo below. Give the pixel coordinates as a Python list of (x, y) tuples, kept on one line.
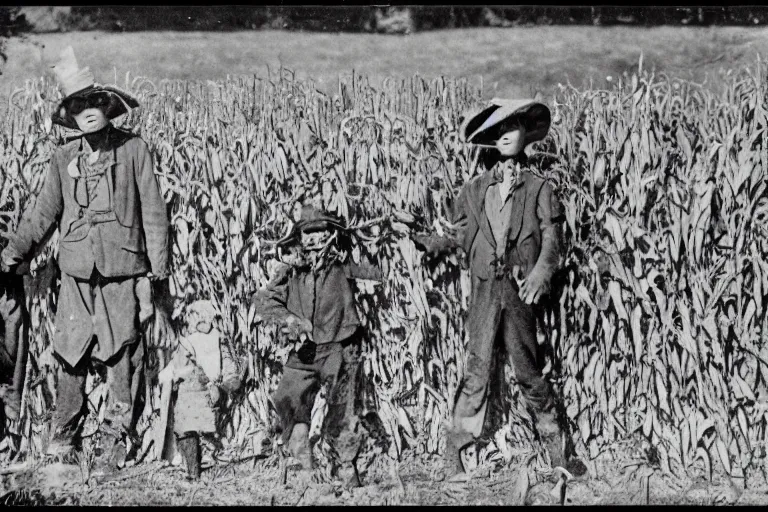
[(313, 300)]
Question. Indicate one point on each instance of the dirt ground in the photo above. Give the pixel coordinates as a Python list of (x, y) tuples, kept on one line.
[(407, 482)]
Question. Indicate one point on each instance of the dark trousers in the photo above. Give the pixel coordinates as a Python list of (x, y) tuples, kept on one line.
[(496, 310), (14, 345), (13, 315), (338, 365), (124, 375)]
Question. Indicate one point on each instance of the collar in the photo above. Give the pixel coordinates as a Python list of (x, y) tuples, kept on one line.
[(497, 174), (106, 155)]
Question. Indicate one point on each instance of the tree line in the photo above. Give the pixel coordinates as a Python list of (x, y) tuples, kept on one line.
[(391, 19)]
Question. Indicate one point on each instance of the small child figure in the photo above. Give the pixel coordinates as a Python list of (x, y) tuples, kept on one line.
[(200, 370)]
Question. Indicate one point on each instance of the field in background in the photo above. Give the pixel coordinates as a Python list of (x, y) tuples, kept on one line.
[(512, 61)]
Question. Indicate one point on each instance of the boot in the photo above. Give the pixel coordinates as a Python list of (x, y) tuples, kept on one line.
[(455, 442), (63, 446), (189, 446), (12, 404), (553, 437), (298, 445), (347, 473), (110, 456)]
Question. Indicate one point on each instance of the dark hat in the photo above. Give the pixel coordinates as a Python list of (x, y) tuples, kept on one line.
[(485, 127), (312, 219), (76, 82)]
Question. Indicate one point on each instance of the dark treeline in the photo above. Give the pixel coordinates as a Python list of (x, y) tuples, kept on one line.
[(398, 19)]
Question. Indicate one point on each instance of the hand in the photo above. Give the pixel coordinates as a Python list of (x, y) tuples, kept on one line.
[(534, 287), (296, 328), (9, 307), (215, 393), (6, 267), (144, 294)]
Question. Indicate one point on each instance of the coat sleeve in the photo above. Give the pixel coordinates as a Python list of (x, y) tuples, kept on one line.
[(271, 302), (453, 236), (550, 215), (363, 271), (38, 223), (153, 212)]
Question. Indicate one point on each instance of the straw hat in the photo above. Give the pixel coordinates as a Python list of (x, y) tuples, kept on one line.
[(79, 82), (312, 219), (485, 127)]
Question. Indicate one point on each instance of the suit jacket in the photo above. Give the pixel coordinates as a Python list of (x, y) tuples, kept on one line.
[(325, 298), (131, 241), (533, 242)]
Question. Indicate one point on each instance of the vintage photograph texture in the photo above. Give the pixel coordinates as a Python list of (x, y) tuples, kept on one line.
[(383, 255)]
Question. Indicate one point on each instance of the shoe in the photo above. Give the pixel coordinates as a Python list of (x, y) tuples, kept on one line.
[(62, 450), (298, 446), (350, 479), (12, 405), (189, 447), (454, 468), (553, 438), (110, 458)]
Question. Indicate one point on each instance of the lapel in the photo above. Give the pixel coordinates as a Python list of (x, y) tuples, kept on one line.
[(518, 207), (477, 204)]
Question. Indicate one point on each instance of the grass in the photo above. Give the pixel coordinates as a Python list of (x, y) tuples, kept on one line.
[(513, 62)]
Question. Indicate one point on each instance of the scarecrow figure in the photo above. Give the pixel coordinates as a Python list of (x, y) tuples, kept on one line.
[(102, 194), (506, 222), (313, 301), (14, 344), (200, 372)]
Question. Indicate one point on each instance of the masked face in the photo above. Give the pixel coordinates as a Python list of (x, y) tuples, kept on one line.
[(512, 142), (316, 240), (91, 120)]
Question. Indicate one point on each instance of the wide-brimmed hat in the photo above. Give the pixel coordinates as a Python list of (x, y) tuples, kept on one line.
[(485, 127), (312, 219), (79, 82)]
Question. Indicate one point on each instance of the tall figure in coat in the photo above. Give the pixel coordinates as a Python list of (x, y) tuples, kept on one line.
[(102, 194), (506, 222)]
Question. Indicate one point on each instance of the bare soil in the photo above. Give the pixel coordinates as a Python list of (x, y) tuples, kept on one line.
[(407, 482)]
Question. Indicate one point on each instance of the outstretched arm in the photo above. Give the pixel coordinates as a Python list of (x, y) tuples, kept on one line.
[(453, 237), (271, 304)]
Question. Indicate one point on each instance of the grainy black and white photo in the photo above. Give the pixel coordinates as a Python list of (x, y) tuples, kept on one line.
[(383, 255)]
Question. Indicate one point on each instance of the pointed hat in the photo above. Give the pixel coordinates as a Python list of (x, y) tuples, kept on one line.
[(79, 82)]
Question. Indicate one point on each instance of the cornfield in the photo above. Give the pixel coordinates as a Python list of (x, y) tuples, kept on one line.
[(659, 321)]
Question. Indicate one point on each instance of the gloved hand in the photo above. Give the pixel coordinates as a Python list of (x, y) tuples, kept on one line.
[(297, 328), (535, 286)]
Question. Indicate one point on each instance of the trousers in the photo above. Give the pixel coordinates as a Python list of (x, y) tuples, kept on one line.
[(496, 310), (338, 365), (124, 376)]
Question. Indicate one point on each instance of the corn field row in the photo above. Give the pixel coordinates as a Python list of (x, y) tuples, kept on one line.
[(660, 327)]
